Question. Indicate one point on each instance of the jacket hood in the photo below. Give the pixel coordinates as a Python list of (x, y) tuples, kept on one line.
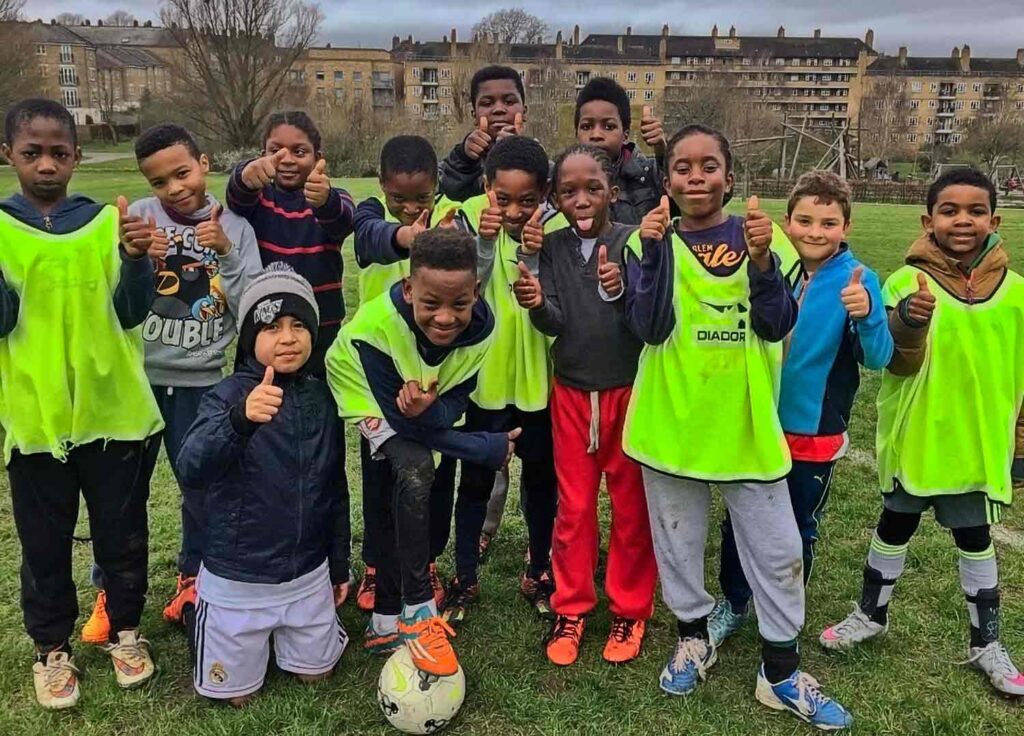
[(979, 282), (68, 215)]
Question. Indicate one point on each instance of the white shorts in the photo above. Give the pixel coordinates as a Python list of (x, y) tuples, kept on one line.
[(233, 645)]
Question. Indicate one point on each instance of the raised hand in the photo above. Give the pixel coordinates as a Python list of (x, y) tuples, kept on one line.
[(318, 185), (136, 234), (264, 401), (490, 219), (211, 235), (608, 273), (757, 232), (261, 171), (651, 129), (533, 234), (478, 141), (855, 296), (159, 246), (413, 400), (655, 223), (527, 289), (448, 221), (921, 304), (407, 233)]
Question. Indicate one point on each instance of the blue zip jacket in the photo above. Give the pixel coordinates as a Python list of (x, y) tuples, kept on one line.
[(821, 373), (271, 507)]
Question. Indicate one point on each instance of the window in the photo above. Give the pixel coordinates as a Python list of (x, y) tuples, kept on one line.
[(931, 122), (914, 104), (297, 76), (932, 104), (977, 87), (416, 109), (955, 138), (912, 122), (630, 76), (912, 137), (40, 49), (1019, 104), (446, 109), (826, 93), (415, 72), (676, 60), (928, 137), (959, 105), (826, 78), (709, 60), (582, 78), (66, 56), (446, 72), (339, 77), (70, 97), (357, 77), (444, 92), (933, 87), (339, 95), (522, 74), (975, 105), (780, 62), (958, 122), (631, 94), (648, 94), (827, 62), (962, 87), (747, 61), (68, 78), (359, 94), (794, 77), (649, 77), (320, 76), (614, 76), (915, 86)]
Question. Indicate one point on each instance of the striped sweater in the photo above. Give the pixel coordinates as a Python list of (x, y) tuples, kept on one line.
[(307, 239)]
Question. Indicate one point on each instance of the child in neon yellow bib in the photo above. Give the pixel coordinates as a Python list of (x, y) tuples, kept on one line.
[(708, 295), (946, 412), (75, 404)]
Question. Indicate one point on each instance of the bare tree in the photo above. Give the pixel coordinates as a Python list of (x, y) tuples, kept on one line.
[(21, 76), (481, 53), (120, 19), (884, 119), (995, 138), (109, 80), (71, 19), (510, 26), (235, 61)]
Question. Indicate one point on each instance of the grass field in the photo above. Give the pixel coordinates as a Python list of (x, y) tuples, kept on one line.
[(908, 683)]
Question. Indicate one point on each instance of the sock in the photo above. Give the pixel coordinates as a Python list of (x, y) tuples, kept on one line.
[(780, 659), (409, 610), (697, 628), (384, 623), (42, 651), (979, 579), (884, 567)]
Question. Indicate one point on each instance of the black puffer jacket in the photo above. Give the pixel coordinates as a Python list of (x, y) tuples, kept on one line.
[(639, 182), (270, 504)]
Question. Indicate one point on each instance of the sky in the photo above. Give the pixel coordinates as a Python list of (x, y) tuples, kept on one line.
[(927, 27)]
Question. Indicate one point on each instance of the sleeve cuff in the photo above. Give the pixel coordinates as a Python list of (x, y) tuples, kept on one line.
[(239, 422)]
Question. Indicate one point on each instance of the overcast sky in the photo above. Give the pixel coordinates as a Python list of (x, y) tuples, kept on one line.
[(928, 27)]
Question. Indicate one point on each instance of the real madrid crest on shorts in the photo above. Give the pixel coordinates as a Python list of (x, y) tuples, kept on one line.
[(218, 675)]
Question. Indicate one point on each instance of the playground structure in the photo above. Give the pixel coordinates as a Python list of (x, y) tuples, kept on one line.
[(839, 141)]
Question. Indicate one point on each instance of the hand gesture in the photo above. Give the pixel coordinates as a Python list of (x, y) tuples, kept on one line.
[(211, 235), (448, 221), (757, 232), (478, 141), (261, 171), (413, 400), (608, 274), (527, 289), (921, 304), (533, 234), (159, 246), (136, 234), (855, 296), (264, 401), (651, 129), (515, 129), (318, 185), (512, 437), (490, 220), (407, 233), (655, 223)]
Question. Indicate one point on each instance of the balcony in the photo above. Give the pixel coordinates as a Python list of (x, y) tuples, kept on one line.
[(944, 129), (429, 78), (947, 92)]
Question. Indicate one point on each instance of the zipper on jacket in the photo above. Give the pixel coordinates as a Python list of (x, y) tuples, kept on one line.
[(300, 491), (48, 223), (969, 281)]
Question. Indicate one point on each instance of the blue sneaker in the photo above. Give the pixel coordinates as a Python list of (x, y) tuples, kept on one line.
[(724, 622), (801, 695), (689, 664)]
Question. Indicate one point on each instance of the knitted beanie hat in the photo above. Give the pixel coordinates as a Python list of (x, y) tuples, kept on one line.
[(276, 291)]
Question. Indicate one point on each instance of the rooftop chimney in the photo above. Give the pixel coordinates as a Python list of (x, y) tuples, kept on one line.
[(87, 22), (629, 30), (965, 58), (99, 23), (558, 45), (619, 43), (395, 40), (732, 31), (869, 39), (1020, 58), (714, 31), (781, 32), (663, 44), (135, 24), (903, 57), (817, 33), (575, 35), (955, 54), (455, 44)]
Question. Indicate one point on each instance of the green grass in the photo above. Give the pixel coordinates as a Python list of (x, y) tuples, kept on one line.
[(908, 683)]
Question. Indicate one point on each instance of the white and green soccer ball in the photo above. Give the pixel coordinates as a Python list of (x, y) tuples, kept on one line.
[(415, 702)]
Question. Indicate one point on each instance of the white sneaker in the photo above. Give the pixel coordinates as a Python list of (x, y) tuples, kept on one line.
[(132, 663), (56, 681), (995, 662), (853, 629)]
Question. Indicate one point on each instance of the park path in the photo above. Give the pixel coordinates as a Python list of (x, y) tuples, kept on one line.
[(102, 157)]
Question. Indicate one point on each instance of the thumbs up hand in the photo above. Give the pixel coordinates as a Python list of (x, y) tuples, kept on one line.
[(921, 304), (318, 186), (533, 234), (478, 141), (136, 234), (490, 219), (261, 171), (264, 401), (406, 234), (527, 289), (160, 245), (210, 234), (651, 129), (757, 231), (855, 296), (655, 223), (516, 128), (447, 222), (413, 400), (608, 273)]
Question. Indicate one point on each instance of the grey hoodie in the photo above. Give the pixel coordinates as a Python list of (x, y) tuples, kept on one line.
[(192, 320)]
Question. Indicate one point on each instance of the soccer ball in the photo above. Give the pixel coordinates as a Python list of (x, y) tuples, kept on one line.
[(415, 702)]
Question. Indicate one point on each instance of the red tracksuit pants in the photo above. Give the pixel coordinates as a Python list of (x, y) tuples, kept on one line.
[(587, 428)]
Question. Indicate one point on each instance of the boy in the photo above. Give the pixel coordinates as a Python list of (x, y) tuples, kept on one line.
[(946, 412), (262, 455), (603, 119), (498, 100), (403, 370), (841, 325), (76, 408), (203, 258), (385, 228), (514, 382)]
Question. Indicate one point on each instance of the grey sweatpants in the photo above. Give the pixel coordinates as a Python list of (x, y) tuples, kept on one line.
[(767, 539)]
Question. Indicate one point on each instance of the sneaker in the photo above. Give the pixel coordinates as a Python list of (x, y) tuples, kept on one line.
[(724, 622), (995, 662), (484, 545), (625, 640), (56, 681), (458, 599), (185, 596), (853, 629), (538, 591), (563, 642), (132, 663), (426, 635), (379, 644), (366, 596), (689, 664), (436, 585), (97, 628), (801, 695)]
